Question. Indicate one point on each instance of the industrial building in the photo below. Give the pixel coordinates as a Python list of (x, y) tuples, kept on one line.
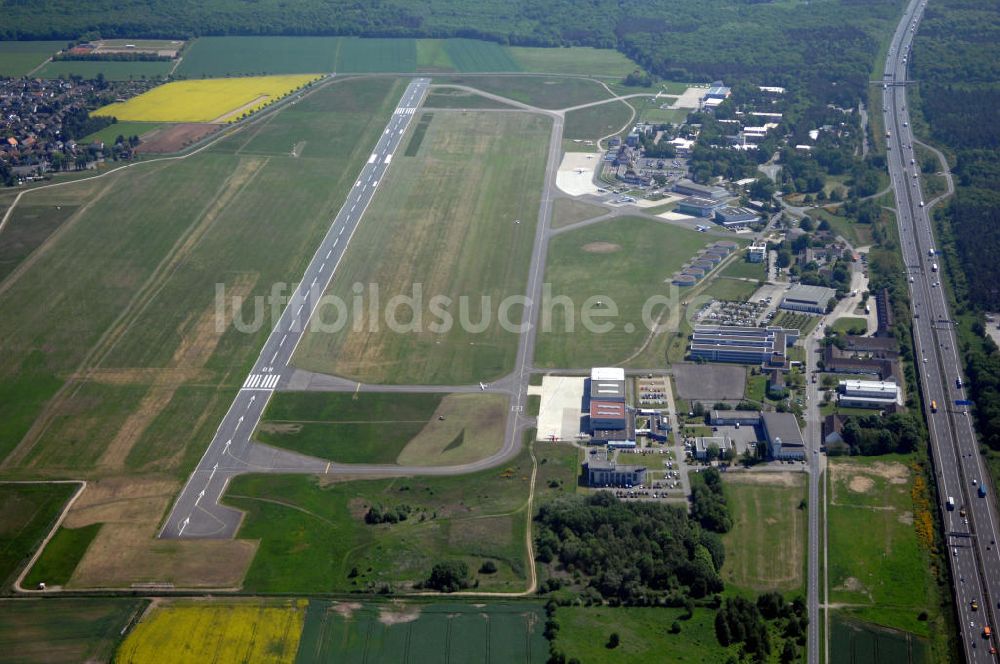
[(783, 436), (730, 418), (686, 187), (607, 414), (699, 207), (702, 443), (811, 299), (605, 472), (747, 345), (607, 384), (735, 218), (868, 394), (611, 421)]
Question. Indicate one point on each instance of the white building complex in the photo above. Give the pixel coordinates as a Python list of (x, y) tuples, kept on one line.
[(869, 394)]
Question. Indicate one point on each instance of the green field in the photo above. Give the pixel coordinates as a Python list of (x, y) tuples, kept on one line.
[(472, 55), (166, 234), (314, 537), (443, 222), (541, 91), (644, 633), (376, 55), (415, 429), (730, 290), (625, 260), (850, 325), (510, 633), (597, 121), (452, 98), (567, 211), (56, 630), (852, 642), (29, 226), (209, 57), (126, 129), (17, 58), (873, 545), (857, 234), (573, 60), (743, 269), (27, 514), (61, 556), (765, 550), (242, 56), (112, 70)]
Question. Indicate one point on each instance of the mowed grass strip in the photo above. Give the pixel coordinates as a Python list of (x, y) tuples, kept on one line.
[(58, 630), (541, 91), (220, 631), (444, 224), (208, 100), (625, 261), (597, 121), (349, 428), (765, 550), (573, 60), (411, 429), (27, 514)]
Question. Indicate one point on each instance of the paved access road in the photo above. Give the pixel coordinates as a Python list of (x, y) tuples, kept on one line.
[(197, 512), (959, 472)]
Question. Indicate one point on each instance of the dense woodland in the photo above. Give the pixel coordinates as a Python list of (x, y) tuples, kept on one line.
[(638, 553), (956, 58)]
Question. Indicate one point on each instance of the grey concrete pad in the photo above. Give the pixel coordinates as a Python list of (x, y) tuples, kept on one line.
[(710, 382)]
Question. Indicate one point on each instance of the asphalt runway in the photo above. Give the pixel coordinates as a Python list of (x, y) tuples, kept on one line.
[(197, 512)]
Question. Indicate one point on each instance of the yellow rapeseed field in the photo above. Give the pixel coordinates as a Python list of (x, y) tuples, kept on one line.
[(218, 631), (206, 100)]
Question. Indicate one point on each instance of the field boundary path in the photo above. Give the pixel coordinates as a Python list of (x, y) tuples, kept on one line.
[(197, 512)]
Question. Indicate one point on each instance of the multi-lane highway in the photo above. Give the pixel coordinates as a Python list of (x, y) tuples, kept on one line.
[(197, 512), (970, 519)]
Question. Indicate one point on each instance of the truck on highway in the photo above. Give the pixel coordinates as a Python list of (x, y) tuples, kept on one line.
[(888, 134), (951, 504), (930, 252), (982, 491), (933, 267), (933, 406)]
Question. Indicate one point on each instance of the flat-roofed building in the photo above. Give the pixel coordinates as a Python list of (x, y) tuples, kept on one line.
[(868, 393), (703, 443), (811, 299), (747, 345), (690, 188), (699, 207), (784, 438), (729, 418), (607, 415), (605, 472), (736, 217)]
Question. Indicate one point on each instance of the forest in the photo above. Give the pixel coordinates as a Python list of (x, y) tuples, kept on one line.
[(636, 553), (956, 58), (787, 42)]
